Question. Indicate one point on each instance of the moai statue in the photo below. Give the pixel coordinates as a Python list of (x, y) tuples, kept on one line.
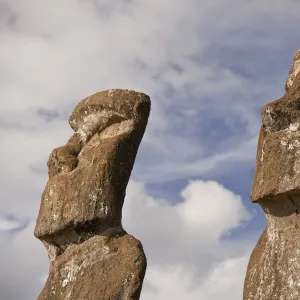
[(274, 268), (79, 222)]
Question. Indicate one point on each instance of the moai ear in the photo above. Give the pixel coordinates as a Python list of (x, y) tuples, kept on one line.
[(79, 221)]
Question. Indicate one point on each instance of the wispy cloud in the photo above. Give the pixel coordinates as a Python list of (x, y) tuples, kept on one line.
[(208, 66), (180, 241), (10, 223)]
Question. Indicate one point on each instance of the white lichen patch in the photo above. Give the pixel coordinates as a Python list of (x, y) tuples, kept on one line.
[(128, 279), (93, 197), (106, 249), (269, 110), (103, 208), (117, 129), (295, 69), (262, 155), (72, 270), (268, 118), (297, 162), (53, 290), (96, 122), (294, 126), (294, 144), (262, 151), (76, 266), (290, 144), (52, 251), (286, 183), (283, 143), (274, 271)]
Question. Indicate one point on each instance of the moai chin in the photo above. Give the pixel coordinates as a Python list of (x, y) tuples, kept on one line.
[(79, 222), (274, 267)]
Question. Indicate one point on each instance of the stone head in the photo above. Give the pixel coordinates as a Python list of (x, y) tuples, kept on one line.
[(88, 176)]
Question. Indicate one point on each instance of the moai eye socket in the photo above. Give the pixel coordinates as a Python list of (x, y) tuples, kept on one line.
[(101, 121)]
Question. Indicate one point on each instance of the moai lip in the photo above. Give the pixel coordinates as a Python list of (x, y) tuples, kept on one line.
[(83, 199), (274, 266)]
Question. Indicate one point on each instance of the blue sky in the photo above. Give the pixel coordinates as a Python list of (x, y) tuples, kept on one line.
[(208, 65)]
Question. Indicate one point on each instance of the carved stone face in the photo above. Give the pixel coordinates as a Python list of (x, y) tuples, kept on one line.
[(278, 152), (88, 176)]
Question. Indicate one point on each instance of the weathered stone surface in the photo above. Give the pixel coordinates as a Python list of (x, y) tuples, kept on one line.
[(100, 268), (294, 70), (274, 267), (88, 176)]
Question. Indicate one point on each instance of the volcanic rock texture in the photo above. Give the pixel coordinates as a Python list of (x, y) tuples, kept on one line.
[(274, 267), (79, 222)]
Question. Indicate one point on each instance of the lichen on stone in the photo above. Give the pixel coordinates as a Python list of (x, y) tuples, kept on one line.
[(79, 222), (274, 267)]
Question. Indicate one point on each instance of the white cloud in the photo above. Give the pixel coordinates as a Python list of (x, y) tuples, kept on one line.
[(224, 281), (209, 206), (183, 242), (54, 53), (23, 262), (7, 224), (210, 165), (185, 252)]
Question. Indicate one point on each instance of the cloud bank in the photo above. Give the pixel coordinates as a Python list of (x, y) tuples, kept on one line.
[(208, 66), (183, 243)]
